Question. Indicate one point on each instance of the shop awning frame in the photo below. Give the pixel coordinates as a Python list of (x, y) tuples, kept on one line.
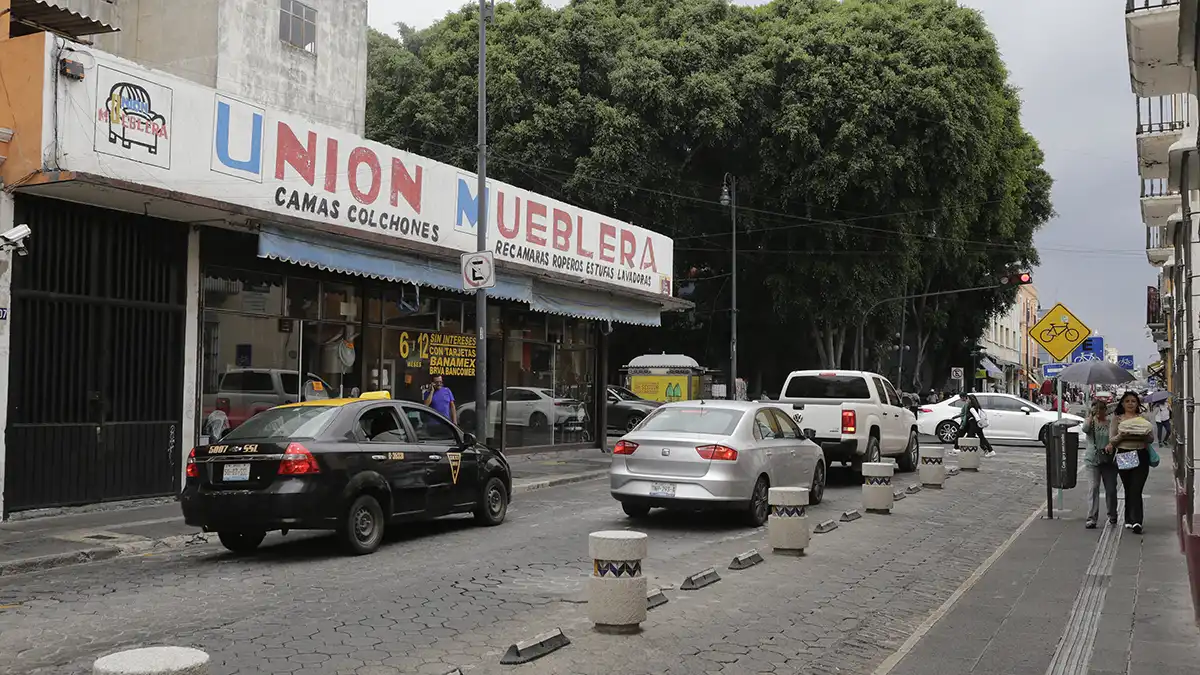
[(990, 368)]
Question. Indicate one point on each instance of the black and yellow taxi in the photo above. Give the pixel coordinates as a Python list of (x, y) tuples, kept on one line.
[(351, 465)]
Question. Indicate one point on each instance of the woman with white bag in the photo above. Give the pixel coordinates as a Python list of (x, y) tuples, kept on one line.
[(974, 420), (1131, 439)]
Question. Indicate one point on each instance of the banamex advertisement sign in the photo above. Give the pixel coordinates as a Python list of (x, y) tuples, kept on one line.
[(233, 150)]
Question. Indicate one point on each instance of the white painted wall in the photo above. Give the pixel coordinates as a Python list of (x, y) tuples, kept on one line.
[(235, 46), (6, 222), (191, 353)]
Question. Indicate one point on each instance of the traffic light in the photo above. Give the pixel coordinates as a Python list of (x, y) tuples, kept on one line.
[(1016, 279)]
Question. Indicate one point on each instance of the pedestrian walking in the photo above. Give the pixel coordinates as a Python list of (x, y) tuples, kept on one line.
[(1131, 439), (1099, 461), (972, 423), (1162, 419)]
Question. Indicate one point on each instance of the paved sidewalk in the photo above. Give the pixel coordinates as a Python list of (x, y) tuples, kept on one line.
[(109, 530), (1063, 599)]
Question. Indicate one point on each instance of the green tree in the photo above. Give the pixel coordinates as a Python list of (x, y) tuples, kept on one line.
[(878, 148)]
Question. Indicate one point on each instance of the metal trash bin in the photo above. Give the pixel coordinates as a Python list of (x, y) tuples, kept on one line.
[(1062, 447)]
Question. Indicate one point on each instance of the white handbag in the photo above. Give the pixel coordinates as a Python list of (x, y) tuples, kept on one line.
[(980, 418)]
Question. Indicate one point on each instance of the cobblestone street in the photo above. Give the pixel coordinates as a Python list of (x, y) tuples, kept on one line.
[(449, 594)]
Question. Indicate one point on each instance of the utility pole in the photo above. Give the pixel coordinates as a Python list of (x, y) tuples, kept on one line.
[(729, 198), (486, 10)]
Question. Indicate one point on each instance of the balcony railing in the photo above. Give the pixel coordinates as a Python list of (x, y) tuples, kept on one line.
[(1157, 187), (1143, 5), (1161, 114), (1158, 237)]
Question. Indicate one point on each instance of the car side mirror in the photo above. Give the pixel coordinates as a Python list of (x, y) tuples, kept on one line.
[(797, 406), (810, 434), (469, 438), (1026, 409)]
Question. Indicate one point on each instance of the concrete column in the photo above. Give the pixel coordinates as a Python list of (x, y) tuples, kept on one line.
[(153, 661), (617, 589), (968, 454), (932, 469), (787, 526), (189, 434), (877, 487), (7, 214)]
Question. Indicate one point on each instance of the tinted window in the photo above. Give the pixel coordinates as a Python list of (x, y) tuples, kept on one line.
[(892, 397), (838, 387), (248, 381), (382, 425), (430, 426), (521, 395), (624, 394), (787, 425), (299, 422), (765, 425), (693, 420)]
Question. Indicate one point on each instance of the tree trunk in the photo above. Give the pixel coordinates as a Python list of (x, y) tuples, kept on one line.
[(822, 355)]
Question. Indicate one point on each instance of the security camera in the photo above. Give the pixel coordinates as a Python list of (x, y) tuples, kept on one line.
[(15, 239)]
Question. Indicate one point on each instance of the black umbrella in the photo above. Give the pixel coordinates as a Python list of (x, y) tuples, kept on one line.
[(1095, 372)]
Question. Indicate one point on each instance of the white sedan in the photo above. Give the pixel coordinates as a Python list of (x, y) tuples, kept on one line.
[(1009, 418)]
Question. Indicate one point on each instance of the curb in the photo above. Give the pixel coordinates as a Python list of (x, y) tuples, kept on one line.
[(98, 553)]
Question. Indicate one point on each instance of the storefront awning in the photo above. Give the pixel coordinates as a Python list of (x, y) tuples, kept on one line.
[(347, 257), (593, 304), (990, 368)]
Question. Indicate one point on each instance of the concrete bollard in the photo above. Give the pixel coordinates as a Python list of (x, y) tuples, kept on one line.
[(877, 494), (968, 454), (932, 467), (153, 661), (787, 526), (617, 589)]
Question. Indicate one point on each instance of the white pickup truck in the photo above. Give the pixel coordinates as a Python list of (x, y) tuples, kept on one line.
[(857, 416)]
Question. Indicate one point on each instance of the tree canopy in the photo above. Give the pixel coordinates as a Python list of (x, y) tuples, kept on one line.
[(877, 146)]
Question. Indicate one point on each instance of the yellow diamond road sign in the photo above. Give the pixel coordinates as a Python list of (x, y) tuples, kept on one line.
[(1060, 332)]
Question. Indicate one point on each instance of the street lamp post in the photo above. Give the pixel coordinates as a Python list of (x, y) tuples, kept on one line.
[(729, 198), (481, 417)]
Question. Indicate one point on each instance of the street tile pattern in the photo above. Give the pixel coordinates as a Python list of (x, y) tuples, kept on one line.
[(448, 594)]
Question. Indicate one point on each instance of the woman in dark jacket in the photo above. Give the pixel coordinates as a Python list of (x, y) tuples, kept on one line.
[(968, 424)]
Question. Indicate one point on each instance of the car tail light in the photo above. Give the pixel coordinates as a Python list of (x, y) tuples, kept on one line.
[(926, 410), (717, 452), (223, 405), (625, 448), (193, 470), (849, 422), (564, 403), (297, 461)]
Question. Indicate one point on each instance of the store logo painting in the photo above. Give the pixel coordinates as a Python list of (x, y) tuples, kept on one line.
[(133, 118), (238, 139), (466, 210)]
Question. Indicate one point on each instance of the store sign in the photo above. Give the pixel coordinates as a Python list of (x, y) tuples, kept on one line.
[(448, 354), (233, 151)]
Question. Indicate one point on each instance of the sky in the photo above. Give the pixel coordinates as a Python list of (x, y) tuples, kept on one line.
[(1069, 59)]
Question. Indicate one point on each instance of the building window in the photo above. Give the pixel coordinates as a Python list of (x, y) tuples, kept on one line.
[(298, 25)]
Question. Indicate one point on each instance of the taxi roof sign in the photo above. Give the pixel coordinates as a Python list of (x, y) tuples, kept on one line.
[(1060, 332), (375, 395)]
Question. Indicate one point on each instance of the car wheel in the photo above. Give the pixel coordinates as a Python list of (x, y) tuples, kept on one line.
[(241, 542), (908, 461), (635, 510), (537, 421), (634, 420), (947, 431), (757, 512), (1042, 434), (362, 531), (817, 491), (493, 503)]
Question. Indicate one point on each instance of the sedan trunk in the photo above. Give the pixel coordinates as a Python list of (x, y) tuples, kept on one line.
[(671, 454)]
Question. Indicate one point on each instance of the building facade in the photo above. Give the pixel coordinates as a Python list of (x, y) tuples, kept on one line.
[(307, 57), (1030, 370), (1163, 41), (1002, 342), (197, 255)]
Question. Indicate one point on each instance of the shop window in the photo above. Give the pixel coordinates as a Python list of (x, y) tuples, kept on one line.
[(493, 324), (242, 291), (410, 307), (555, 329), (302, 298), (579, 332), (450, 316), (332, 351), (339, 302), (531, 325)]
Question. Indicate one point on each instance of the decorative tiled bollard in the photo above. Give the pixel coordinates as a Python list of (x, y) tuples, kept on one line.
[(617, 589), (968, 454), (932, 469), (877, 494), (787, 526), (153, 661)]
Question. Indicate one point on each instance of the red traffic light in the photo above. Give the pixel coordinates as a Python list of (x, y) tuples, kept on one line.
[(1016, 279)]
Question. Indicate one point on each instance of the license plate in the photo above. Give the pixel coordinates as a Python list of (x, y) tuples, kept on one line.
[(662, 489), (235, 472)]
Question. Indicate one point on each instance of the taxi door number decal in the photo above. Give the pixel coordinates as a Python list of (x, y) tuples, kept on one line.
[(455, 464), (395, 455)]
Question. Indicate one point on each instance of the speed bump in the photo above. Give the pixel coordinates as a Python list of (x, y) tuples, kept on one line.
[(897, 495), (536, 648), (913, 489), (700, 579), (655, 598), (748, 559), (952, 471), (826, 526), (851, 515)]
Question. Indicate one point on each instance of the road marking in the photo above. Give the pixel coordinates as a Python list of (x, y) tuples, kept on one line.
[(1074, 652), (892, 661)]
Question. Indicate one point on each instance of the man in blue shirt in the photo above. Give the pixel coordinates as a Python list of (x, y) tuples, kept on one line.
[(441, 399)]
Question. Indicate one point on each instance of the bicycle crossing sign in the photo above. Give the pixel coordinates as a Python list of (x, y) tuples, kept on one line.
[(1060, 332)]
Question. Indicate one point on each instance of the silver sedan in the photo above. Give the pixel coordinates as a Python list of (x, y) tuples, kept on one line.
[(714, 455)]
